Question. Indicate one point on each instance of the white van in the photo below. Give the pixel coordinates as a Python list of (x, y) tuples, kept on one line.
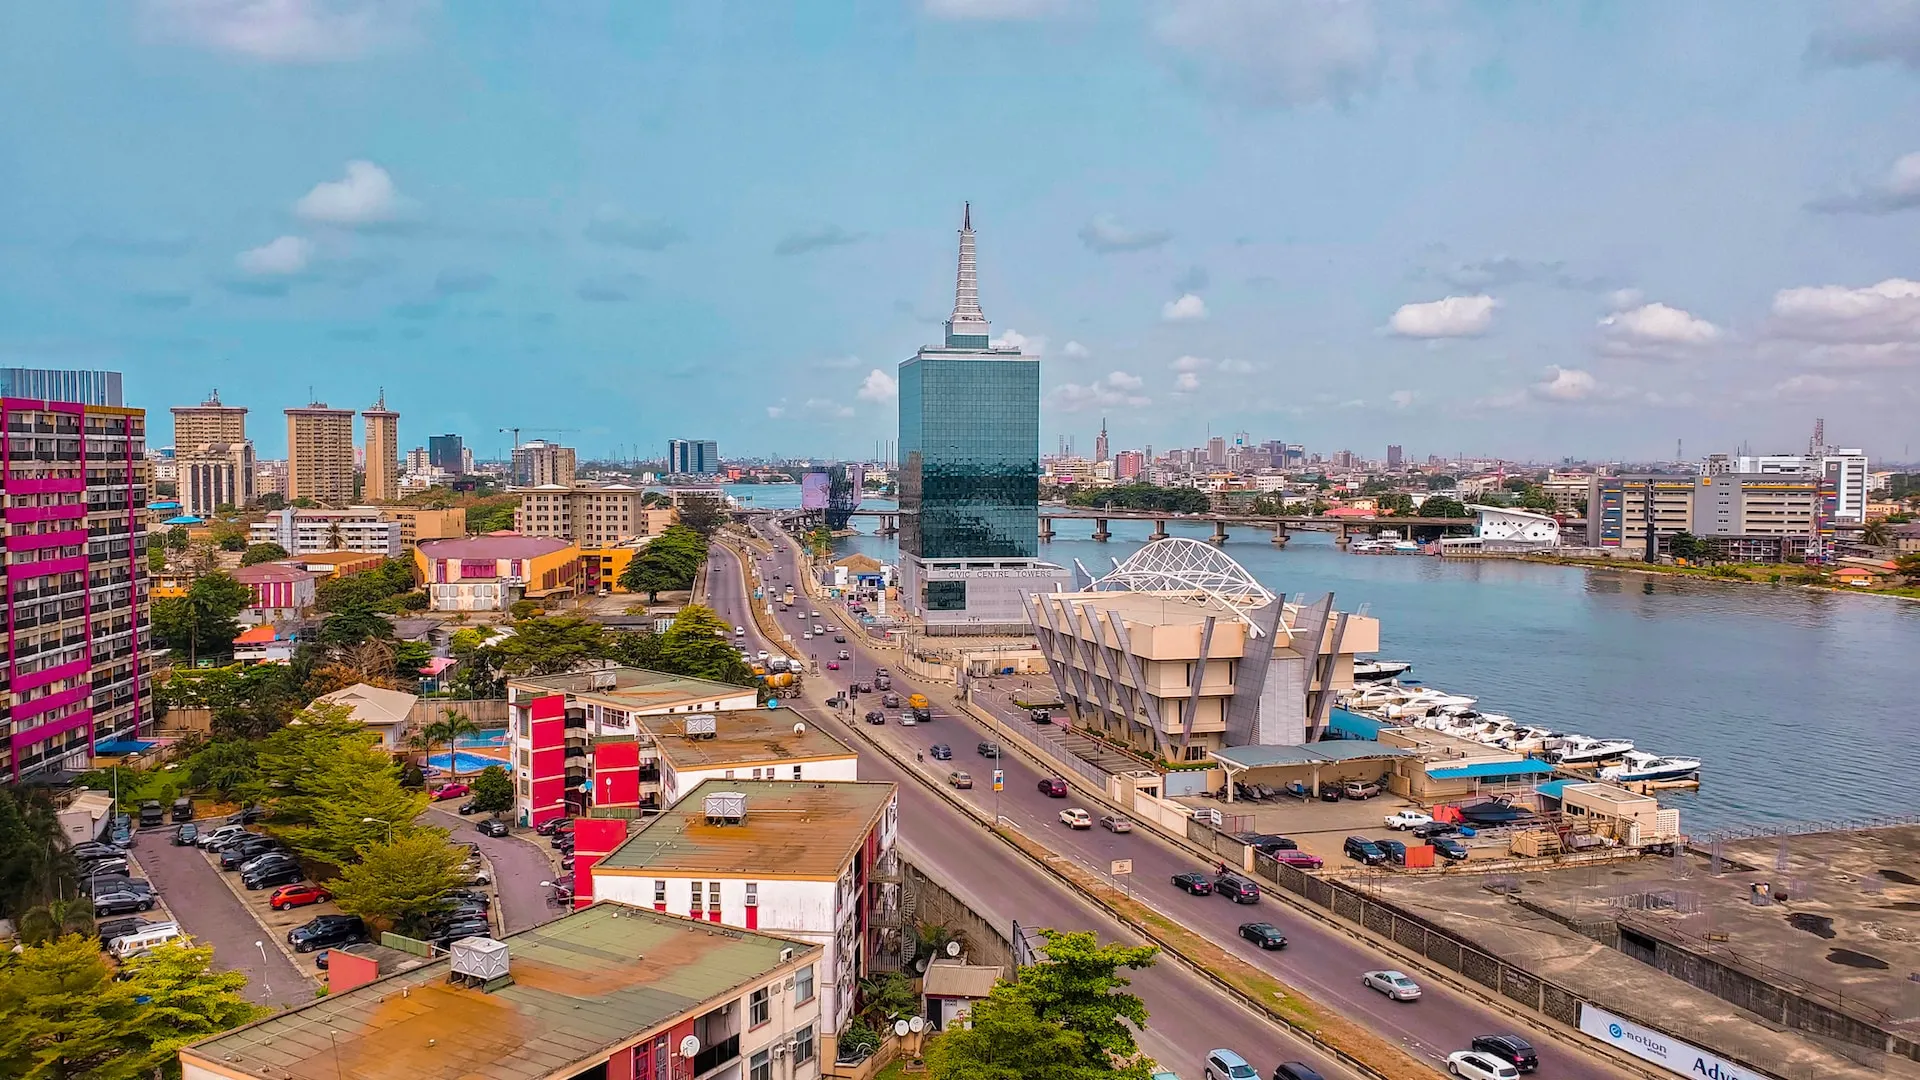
[(147, 938)]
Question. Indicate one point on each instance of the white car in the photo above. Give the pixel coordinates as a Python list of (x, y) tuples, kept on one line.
[(813, 614), (739, 631), (1075, 818), (1474, 1065), (1394, 984), (762, 654), (1407, 819)]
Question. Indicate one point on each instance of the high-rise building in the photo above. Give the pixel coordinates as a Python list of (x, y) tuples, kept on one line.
[(446, 452), (970, 472), (589, 514), (320, 454), (270, 478), (1744, 516), (1394, 456), (693, 457), (541, 462), (1846, 469), (1127, 465), (76, 637), (210, 421), (419, 460), (1216, 451), (1100, 442), (213, 475), (383, 452)]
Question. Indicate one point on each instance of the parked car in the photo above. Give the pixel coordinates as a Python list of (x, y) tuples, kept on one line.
[(104, 867), (1195, 882), (1114, 823), (272, 874), (292, 896), (98, 884), (1396, 851), (1360, 849), (1435, 828), (235, 856), (988, 749), (211, 838), (1265, 935), (327, 931), (470, 896), (1075, 818), (1359, 789), (1394, 984), (121, 901), (1329, 793), (554, 825), (114, 928), (493, 827), (1053, 787), (247, 815), (1407, 819), (466, 809), (1295, 1070), (1448, 848), (450, 791), (152, 814), (940, 752), (1511, 1049), (960, 780), (93, 849), (1227, 1065), (1298, 859), (122, 836), (1473, 1065), (1236, 887), (186, 835), (466, 928)]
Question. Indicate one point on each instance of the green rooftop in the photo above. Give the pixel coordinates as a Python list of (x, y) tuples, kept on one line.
[(581, 986), (627, 688)]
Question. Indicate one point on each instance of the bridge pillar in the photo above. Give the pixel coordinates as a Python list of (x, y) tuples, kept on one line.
[(1280, 535), (889, 525), (1046, 528), (1219, 533), (1340, 540), (1100, 529), (1159, 529)]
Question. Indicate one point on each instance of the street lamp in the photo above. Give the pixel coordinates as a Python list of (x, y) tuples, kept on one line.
[(380, 821), (264, 984)]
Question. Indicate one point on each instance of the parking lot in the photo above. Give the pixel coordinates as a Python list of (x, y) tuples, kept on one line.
[(209, 911)]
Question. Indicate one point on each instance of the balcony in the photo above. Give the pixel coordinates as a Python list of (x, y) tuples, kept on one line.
[(720, 1053)]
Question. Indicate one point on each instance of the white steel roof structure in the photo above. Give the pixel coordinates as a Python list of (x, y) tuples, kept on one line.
[(1181, 564)]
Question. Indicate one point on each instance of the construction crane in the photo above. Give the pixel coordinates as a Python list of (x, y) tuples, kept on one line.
[(515, 432)]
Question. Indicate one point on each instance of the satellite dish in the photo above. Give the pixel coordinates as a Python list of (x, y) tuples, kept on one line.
[(689, 1046), (953, 948), (917, 1024), (799, 729), (920, 966), (901, 1027)]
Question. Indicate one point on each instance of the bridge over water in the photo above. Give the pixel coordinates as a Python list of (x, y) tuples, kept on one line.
[(1279, 525)]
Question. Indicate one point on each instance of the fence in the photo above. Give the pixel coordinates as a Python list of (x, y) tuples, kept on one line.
[(485, 712)]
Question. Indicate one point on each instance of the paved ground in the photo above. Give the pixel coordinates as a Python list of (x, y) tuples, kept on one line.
[(520, 864), (208, 910)]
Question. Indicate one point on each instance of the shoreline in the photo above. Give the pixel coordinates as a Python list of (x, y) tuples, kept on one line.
[(1650, 570)]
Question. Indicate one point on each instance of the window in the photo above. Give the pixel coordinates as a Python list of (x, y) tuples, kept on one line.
[(760, 1066), (946, 595), (803, 1042), (796, 772), (753, 894), (803, 985), (713, 897), (659, 893), (695, 905), (760, 1006)]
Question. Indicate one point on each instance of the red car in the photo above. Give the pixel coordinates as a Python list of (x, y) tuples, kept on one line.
[(1053, 787), (450, 791), (833, 665), (1299, 859), (299, 895)]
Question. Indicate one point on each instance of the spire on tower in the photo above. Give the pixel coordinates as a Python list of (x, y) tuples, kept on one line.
[(968, 327)]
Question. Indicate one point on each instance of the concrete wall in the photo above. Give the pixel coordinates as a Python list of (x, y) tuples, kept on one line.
[(933, 905)]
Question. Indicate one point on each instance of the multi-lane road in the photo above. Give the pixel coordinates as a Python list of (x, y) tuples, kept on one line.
[(1319, 960)]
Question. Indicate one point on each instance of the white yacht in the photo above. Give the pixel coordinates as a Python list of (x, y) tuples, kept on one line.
[(1641, 765), (1579, 749), (1366, 671), (1424, 702), (1527, 740)]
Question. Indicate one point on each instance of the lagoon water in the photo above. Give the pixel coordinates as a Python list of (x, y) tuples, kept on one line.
[(1799, 702)]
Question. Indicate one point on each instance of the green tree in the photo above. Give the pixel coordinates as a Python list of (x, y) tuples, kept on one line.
[(1395, 502), (270, 501), (1909, 566), (330, 787), (177, 538), (1007, 1040), (401, 883), (34, 865), (704, 514), (229, 535), (262, 552), (491, 514), (354, 623), (156, 558), (55, 920), (819, 543), (1685, 545), (223, 766), (699, 645), (204, 620), (1876, 534), (492, 791), (69, 1017), (887, 997), (669, 563), (410, 656), (1442, 506), (547, 646)]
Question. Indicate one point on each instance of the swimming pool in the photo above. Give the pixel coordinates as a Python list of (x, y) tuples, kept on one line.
[(467, 763)]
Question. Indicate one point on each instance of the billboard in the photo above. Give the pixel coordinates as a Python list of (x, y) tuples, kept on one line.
[(813, 491), (1663, 1050), (843, 493)]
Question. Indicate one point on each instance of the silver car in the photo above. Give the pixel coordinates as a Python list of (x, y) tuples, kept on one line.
[(1394, 984)]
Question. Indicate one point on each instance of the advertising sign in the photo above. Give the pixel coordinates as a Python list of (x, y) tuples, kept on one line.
[(1663, 1050), (999, 779), (1120, 866)]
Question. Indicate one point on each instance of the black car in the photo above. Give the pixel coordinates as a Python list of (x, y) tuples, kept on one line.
[(279, 873), (327, 931), (247, 815), (562, 842), (103, 867), (1450, 849), (469, 896), (1329, 792), (465, 928), (1511, 1049), (95, 884), (93, 849), (186, 835), (1396, 851), (1239, 889), (1266, 843), (841, 638), (940, 752), (1431, 829), (1361, 849), (466, 808), (1295, 1070), (121, 901), (493, 827), (554, 825), (1195, 882), (233, 856), (875, 716), (113, 929), (988, 749), (1265, 935)]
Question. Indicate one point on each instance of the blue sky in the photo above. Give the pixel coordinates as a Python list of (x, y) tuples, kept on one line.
[(1529, 230)]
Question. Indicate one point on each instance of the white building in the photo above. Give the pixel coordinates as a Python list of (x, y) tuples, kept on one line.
[(812, 862), (1845, 468), (738, 744), (1509, 527), (306, 532)]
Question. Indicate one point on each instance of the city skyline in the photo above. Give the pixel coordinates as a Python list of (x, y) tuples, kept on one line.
[(1703, 225)]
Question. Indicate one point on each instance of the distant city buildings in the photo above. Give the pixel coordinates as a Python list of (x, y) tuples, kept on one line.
[(1127, 465), (540, 462), (213, 463), (381, 482), (1100, 442), (693, 457), (320, 454), (1743, 516), (308, 531), (589, 514), (447, 453), (1394, 454)]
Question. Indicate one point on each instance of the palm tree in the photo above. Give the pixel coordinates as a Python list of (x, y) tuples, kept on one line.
[(1876, 534), (35, 866), (454, 725), (55, 920), (336, 539)]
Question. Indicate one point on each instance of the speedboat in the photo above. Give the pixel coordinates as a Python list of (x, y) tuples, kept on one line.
[(1379, 670), (1526, 740), (1579, 749), (1641, 765), (1424, 702)]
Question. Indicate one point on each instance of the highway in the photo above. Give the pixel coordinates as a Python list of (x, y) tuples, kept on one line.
[(1187, 1015), (1319, 960)]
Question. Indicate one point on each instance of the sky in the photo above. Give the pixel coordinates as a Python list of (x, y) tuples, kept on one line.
[(1590, 230)]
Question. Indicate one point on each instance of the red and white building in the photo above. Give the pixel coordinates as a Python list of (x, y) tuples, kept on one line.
[(265, 644), (280, 592)]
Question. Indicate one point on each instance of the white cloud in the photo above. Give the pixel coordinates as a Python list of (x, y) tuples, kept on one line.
[(364, 196), (285, 31), (826, 407), (1107, 236), (1656, 330), (1454, 316), (1401, 398), (1805, 386), (1188, 307), (992, 10), (1886, 313), (775, 412), (1622, 299), (1186, 382), (1118, 389), (1276, 52), (1896, 189), (1565, 384), (1073, 350), (1014, 339), (280, 257), (1191, 363), (878, 387), (1236, 367)]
